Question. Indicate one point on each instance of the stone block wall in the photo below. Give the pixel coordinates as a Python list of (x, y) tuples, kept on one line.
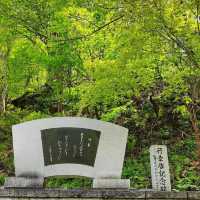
[(93, 194)]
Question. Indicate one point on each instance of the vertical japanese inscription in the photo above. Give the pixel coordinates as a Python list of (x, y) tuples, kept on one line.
[(160, 168), (69, 145)]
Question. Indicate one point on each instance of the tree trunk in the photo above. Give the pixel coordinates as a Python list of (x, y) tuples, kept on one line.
[(3, 100), (4, 75), (3, 82), (194, 121)]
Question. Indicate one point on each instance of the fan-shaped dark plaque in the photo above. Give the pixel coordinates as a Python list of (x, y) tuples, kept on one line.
[(70, 145)]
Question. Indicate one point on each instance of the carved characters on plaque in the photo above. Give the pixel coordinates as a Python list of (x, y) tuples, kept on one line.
[(70, 145), (160, 168)]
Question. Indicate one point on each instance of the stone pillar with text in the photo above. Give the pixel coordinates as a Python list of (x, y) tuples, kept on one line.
[(160, 173)]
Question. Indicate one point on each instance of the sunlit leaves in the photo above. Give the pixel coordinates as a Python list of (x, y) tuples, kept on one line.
[(25, 68)]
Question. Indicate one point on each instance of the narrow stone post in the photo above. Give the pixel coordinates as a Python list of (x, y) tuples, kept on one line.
[(160, 174)]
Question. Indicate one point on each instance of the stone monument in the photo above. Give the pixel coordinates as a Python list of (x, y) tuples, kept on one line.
[(68, 146), (160, 174)]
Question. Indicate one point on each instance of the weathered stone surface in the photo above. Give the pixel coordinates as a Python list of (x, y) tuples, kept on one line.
[(95, 194), (21, 182), (62, 146), (194, 195), (160, 168), (111, 183), (166, 199), (166, 195), (74, 194), (58, 199)]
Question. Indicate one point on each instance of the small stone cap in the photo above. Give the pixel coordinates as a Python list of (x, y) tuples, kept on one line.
[(24, 182), (111, 183)]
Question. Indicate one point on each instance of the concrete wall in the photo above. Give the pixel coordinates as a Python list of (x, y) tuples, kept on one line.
[(94, 194)]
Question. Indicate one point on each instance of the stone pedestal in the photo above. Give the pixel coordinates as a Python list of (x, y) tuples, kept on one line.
[(23, 182), (93, 194), (111, 183)]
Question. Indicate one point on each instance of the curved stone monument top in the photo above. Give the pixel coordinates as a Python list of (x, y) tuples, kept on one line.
[(69, 146)]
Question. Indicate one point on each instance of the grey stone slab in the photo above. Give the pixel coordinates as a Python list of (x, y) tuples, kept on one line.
[(24, 198), (160, 174), (21, 182), (147, 190), (111, 183), (55, 199), (44, 148), (194, 195), (165, 199), (166, 195), (76, 194), (95, 194)]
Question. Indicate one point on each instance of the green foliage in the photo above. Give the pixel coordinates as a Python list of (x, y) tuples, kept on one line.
[(138, 171), (26, 72), (2, 179), (68, 183), (113, 114), (182, 164), (191, 181), (135, 64)]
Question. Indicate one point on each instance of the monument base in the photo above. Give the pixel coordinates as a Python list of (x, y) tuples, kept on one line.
[(111, 183), (23, 182)]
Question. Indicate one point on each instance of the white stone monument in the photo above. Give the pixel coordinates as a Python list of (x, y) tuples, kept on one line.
[(160, 174), (69, 146)]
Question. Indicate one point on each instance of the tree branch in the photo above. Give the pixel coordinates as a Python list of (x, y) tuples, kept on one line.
[(94, 31), (168, 33), (197, 16)]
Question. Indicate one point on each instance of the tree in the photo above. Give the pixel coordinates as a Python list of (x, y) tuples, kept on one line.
[(43, 24), (6, 40)]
